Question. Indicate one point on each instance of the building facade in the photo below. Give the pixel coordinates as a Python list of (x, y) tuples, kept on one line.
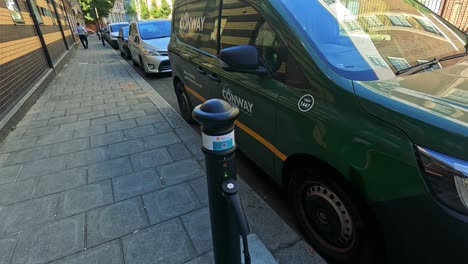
[(454, 11), (117, 13), (28, 50)]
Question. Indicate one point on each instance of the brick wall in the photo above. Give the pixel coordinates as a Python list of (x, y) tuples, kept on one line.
[(456, 12), (22, 58)]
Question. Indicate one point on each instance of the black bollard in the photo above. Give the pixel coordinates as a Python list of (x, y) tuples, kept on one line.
[(217, 124)]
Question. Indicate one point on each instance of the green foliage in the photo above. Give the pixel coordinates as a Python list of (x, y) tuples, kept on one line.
[(165, 9), (103, 7), (144, 12), (130, 9), (154, 11)]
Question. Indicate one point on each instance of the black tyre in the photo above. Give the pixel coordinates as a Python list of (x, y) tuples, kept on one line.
[(185, 106), (332, 218)]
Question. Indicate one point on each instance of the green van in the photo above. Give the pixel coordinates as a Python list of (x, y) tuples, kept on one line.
[(358, 108)]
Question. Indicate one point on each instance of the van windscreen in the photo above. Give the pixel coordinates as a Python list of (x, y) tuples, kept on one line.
[(374, 39)]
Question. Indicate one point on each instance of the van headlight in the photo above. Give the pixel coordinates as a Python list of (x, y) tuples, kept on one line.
[(150, 52), (446, 177)]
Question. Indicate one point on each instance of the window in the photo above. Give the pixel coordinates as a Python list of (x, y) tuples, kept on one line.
[(399, 63), (428, 26), (196, 24), (15, 12), (51, 14), (243, 25), (373, 21), (399, 21), (377, 61), (37, 13)]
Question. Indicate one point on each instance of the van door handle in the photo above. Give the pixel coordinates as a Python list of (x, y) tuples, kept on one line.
[(200, 70), (214, 77)]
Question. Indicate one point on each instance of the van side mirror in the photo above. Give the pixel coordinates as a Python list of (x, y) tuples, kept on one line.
[(243, 59), (136, 38)]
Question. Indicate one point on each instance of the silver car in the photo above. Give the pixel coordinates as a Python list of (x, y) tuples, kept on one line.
[(147, 41)]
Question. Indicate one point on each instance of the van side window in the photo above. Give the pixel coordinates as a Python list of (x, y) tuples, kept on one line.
[(196, 24), (241, 24)]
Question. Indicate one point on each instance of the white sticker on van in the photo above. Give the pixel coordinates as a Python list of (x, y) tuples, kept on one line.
[(306, 103), (243, 104), (188, 23)]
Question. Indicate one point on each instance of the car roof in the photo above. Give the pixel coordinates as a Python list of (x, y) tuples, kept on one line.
[(152, 20)]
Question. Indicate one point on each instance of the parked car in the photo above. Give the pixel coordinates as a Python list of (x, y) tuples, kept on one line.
[(148, 42), (122, 40), (357, 108), (112, 33)]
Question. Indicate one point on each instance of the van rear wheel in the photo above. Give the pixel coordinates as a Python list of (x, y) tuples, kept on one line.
[(331, 217), (185, 106)]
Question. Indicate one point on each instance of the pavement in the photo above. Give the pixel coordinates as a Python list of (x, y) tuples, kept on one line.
[(103, 170)]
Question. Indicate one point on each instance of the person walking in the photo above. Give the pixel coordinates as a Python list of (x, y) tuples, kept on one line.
[(83, 34)]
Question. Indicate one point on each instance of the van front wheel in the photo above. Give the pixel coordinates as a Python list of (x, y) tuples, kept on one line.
[(185, 106), (333, 220)]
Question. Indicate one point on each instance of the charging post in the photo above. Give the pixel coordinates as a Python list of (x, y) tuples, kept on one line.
[(227, 216)]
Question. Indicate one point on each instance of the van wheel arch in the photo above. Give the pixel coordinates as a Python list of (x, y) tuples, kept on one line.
[(342, 187)]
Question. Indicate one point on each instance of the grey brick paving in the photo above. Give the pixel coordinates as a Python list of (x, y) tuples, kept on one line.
[(179, 171), (27, 214), (89, 131), (207, 258), (109, 169), (136, 183), (140, 132), (54, 138), (29, 155), (8, 174), (84, 198), (118, 110), (162, 243), (126, 124), (115, 220), (9, 146), (198, 227), (61, 181), (39, 131), (126, 148), (42, 167), (151, 119), (93, 102), (132, 114), (32, 123), (67, 106), (105, 120), (50, 115), (3, 159), (170, 202), (7, 246), (142, 106), (87, 157), (17, 191), (199, 186), (62, 120), (160, 140), (80, 110), (108, 253), (148, 159), (75, 125), (128, 102), (162, 127), (49, 242), (178, 152), (70, 146), (106, 139), (91, 115)]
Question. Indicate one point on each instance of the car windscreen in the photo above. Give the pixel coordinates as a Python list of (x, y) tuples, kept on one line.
[(116, 27), (374, 39), (156, 29)]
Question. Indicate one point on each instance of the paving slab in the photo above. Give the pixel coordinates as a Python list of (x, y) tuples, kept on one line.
[(108, 253), (7, 246), (135, 184), (163, 243), (160, 140), (29, 155), (42, 167), (17, 191), (50, 242), (150, 159), (85, 198), (126, 148), (8, 174), (199, 186), (61, 181), (27, 214), (178, 151), (87, 157), (70, 146), (116, 220), (107, 139), (109, 169), (89, 131), (198, 227), (170, 202), (179, 171)]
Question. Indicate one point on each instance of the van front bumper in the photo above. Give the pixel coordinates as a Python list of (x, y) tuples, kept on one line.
[(420, 230)]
